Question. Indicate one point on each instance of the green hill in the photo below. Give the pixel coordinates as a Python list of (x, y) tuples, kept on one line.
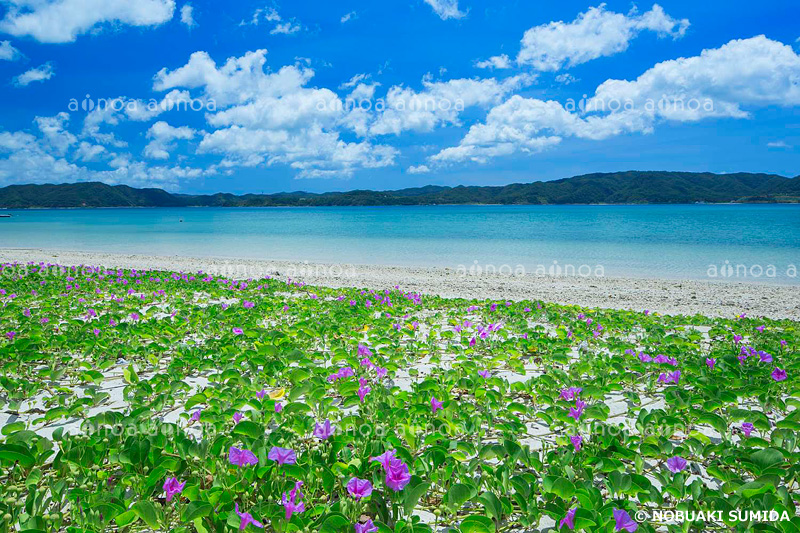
[(631, 187)]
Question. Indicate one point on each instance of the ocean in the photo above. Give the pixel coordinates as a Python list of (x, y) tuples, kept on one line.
[(748, 243)]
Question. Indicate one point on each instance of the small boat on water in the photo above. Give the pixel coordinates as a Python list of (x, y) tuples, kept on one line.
[(4, 216)]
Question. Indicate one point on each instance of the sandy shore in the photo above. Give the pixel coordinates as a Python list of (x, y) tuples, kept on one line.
[(711, 298)]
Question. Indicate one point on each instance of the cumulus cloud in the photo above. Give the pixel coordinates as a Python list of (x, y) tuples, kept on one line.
[(61, 21), (53, 154), (440, 102), (446, 9), (268, 118), (349, 16), (41, 73), (593, 34), (720, 82), (8, 52), (187, 15), (162, 137), (418, 169), (54, 130), (498, 62)]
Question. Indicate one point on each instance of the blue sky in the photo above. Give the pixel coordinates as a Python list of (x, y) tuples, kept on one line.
[(257, 96)]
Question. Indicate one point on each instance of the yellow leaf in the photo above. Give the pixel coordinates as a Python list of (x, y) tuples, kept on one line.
[(277, 394)]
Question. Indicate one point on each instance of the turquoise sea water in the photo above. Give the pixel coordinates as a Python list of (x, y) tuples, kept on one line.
[(682, 241)]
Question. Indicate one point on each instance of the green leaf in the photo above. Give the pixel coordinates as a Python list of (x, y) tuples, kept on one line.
[(413, 495), (11, 453), (249, 429), (477, 524), (560, 486), (458, 494), (147, 512), (196, 509), (127, 518), (766, 458)]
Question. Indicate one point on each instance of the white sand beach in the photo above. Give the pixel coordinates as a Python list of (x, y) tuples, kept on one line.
[(710, 298)]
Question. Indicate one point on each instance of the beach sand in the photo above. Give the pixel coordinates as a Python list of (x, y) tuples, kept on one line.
[(710, 298)]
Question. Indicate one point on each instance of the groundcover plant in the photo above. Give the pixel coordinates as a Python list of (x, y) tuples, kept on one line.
[(161, 401)]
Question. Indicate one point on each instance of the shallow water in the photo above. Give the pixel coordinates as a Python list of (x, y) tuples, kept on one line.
[(679, 242)]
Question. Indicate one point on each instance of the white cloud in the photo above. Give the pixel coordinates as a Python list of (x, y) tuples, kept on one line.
[(724, 82), (61, 21), (41, 73), (162, 137), (440, 103), (55, 133), (268, 118), (280, 25), (499, 62), (778, 144), (8, 52), (418, 169), (755, 72), (349, 16), (286, 28), (187, 15), (593, 34), (446, 9), (87, 151), (355, 80), (566, 78), (49, 157)]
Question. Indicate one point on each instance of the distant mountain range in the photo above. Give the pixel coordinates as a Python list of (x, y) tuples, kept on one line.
[(632, 187)]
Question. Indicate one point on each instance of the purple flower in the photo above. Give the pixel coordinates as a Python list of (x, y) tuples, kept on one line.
[(237, 331), (196, 415), (248, 305), (359, 488), (385, 459), (237, 417), (172, 487), (747, 428), (11, 335), (484, 374), (676, 464), (576, 443), (363, 390), (778, 374), (290, 504), (570, 394), (246, 519), (710, 361), (397, 475), (765, 357), (366, 527), (278, 407), (624, 521), (577, 411), (260, 394), (324, 431), (364, 351), (435, 404), (569, 519), (283, 456), (240, 457), (760, 329)]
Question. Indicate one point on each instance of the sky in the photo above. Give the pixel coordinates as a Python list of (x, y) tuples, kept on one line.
[(254, 96)]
